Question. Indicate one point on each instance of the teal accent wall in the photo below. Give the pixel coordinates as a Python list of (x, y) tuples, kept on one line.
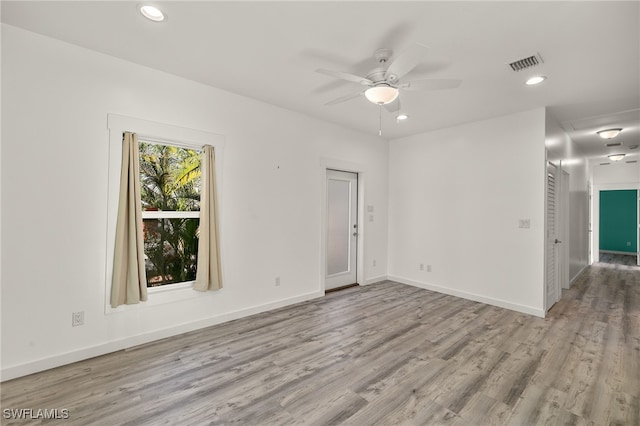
[(618, 220)]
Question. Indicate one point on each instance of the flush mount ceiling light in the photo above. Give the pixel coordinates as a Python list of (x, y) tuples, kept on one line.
[(152, 13), (381, 95), (616, 157), (535, 80), (609, 133)]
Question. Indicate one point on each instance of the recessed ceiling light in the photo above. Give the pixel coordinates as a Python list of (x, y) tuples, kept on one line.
[(609, 133), (402, 117), (152, 13), (535, 80), (616, 157)]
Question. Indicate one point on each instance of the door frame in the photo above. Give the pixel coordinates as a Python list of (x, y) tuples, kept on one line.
[(595, 217), (361, 171), (558, 289), (564, 230)]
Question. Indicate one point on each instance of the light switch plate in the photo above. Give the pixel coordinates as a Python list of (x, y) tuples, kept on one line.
[(524, 223)]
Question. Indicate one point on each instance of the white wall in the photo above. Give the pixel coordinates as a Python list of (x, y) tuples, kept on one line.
[(56, 98), (616, 173), (566, 154), (456, 197)]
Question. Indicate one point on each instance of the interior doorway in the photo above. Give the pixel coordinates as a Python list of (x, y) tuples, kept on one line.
[(341, 229), (618, 226)]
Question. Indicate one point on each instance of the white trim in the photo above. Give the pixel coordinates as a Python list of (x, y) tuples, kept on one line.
[(374, 280), (157, 133), (161, 132), (170, 214), (627, 253), (19, 370), (170, 287), (574, 279), (595, 215), (471, 296), (361, 170)]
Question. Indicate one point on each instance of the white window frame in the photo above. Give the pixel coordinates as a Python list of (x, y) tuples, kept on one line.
[(163, 134)]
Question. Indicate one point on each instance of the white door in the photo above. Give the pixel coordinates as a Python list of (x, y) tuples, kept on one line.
[(552, 290), (342, 229)]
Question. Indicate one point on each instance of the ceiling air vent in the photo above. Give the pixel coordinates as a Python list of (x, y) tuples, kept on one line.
[(613, 144), (525, 63)]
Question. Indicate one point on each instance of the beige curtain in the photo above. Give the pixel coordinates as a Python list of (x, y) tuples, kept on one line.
[(208, 274), (129, 284)]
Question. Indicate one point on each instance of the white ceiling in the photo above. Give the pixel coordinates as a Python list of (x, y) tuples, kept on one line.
[(270, 51)]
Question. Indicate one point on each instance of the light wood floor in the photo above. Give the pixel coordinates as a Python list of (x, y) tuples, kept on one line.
[(383, 354)]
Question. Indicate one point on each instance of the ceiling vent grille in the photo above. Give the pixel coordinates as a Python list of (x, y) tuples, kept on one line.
[(526, 63), (613, 144)]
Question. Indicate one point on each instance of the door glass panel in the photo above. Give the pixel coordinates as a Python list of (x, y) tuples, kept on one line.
[(338, 232)]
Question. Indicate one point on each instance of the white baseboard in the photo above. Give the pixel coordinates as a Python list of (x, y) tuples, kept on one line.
[(470, 296), (47, 363), (627, 253), (374, 280), (575, 278)]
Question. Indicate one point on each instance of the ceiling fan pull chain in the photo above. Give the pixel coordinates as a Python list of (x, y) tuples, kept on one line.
[(380, 127)]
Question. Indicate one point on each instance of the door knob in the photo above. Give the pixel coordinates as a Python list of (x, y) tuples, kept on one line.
[(558, 241), (355, 234)]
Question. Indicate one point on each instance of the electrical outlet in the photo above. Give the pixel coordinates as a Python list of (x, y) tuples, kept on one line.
[(422, 266), (277, 281), (428, 268), (77, 318), (374, 262), (628, 243)]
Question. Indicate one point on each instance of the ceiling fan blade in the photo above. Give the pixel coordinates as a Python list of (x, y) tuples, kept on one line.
[(405, 62), (346, 76), (344, 98), (431, 84)]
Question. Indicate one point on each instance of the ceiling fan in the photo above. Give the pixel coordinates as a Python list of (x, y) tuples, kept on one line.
[(384, 82)]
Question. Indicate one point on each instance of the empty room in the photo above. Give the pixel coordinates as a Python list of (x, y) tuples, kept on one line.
[(320, 212)]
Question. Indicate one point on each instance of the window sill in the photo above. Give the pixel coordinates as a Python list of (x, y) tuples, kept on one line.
[(170, 287), (162, 295)]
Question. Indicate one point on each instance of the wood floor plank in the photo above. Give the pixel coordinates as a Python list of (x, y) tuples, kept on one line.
[(385, 354)]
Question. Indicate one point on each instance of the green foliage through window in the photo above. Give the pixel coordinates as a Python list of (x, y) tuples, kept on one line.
[(170, 182)]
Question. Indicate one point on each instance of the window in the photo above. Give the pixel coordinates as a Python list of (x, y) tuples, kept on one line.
[(170, 182), (159, 134)]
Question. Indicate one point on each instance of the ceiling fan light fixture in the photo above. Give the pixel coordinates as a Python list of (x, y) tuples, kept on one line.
[(152, 13), (381, 95), (616, 157), (402, 117), (609, 133)]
